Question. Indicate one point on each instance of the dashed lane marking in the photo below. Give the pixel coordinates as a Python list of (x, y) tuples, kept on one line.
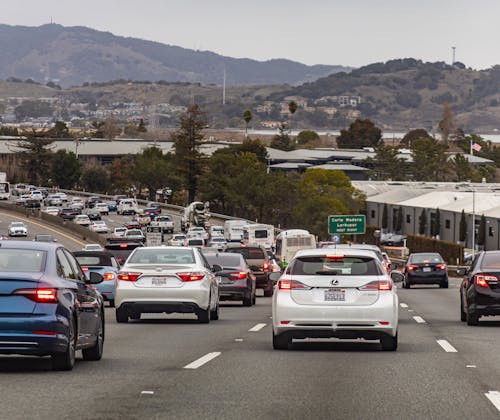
[(202, 360), (419, 320), (447, 347), (257, 327), (147, 392), (403, 305), (471, 366), (494, 397)]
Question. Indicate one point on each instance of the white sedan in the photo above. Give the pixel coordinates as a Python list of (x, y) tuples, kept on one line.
[(82, 219), (166, 280), (54, 211), (99, 226), (17, 229), (344, 293), (134, 234)]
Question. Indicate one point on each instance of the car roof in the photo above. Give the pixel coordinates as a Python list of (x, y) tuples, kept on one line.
[(318, 252), (92, 253), (44, 246), (354, 246)]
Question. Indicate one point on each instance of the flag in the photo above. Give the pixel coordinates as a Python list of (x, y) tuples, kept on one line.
[(476, 147)]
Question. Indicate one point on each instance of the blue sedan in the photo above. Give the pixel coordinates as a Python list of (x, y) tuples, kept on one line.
[(47, 305)]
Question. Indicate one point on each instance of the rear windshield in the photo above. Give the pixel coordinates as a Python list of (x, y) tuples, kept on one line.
[(338, 266), (260, 234), (94, 260), (300, 241), (426, 258), (249, 253), (162, 256), (225, 260), (121, 251), (25, 260), (491, 261), (195, 242)]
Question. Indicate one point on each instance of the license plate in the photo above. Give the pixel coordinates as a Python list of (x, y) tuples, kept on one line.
[(335, 295), (427, 269), (159, 281)]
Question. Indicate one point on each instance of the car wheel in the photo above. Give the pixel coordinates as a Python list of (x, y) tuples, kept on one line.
[(254, 298), (268, 291), (66, 360), (463, 315), (121, 315), (111, 303), (136, 315), (214, 315), (203, 316), (389, 343), (406, 284), (471, 318), (95, 352), (281, 341), (444, 284), (247, 301)]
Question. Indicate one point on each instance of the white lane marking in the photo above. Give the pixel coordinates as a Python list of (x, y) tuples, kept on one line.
[(403, 305), (411, 310), (471, 366), (202, 360), (257, 327), (494, 397), (111, 220), (148, 392), (447, 347), (239, 340), (419, 319)]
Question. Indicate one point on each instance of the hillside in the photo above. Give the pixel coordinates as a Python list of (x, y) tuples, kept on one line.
[(75, 55)]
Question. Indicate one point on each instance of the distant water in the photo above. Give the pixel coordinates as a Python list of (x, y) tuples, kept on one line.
[(389, 135)]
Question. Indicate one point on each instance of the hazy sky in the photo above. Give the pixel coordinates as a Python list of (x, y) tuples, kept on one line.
[(347, 32)]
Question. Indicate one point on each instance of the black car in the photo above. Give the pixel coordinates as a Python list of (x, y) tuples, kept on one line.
[(91, 201), (93, 214), (68, 213), (31, 203), (133, 224), (154, 205), (121, 248), (480, 288), (425, 268), (258, 261), (237, 281), (49, 307)]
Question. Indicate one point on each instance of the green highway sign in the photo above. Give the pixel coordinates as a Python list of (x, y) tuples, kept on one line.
[(347, 225)]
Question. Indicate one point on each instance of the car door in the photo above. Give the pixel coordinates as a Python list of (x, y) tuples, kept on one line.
[(214, 285), (467, 281)]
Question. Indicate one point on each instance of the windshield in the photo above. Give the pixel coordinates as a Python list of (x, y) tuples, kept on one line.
[(162, 256), (24, 260), (425, 258), (249, 253), (337, 265)]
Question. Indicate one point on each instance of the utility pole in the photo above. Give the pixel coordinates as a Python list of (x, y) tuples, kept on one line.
[(224, 87), (453, 59)]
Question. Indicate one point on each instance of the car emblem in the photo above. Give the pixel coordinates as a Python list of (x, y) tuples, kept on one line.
[(335, 282)]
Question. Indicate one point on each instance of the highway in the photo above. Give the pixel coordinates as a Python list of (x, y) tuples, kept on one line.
[(171, 367)]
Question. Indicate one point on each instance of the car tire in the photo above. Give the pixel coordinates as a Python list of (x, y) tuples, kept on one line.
[(247, 301), (406, 284), (214, 315), (121, 315), (254, 299), (135, 316), (203, 316), (111, 303), (389, 343), (463, 315), (471, 318), (281, 341), (268, 291), (66, 360), (95, 352), (444, 284)]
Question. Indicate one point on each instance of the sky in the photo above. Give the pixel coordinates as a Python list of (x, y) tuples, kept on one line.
[(346, 32)]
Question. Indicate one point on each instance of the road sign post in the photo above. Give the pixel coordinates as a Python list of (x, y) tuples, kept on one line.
[(347, 225)]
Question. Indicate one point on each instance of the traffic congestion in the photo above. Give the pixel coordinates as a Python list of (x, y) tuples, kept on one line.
[(134, 305)]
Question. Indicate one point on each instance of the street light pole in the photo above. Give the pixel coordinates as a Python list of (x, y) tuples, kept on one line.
[(473, 222)]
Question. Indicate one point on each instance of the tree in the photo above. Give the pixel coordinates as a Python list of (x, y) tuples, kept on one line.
[(422, 222), (282, 140), (461, 167), (308, 137), (387, 165), (110, 128), (361, 133), (462, 232), (247, 117), (33, 109), (292, 107), (385, 217), (66, 169), (35, 156), (95, 179), (187, 142), (412, 135), (447, 123), (151, 170), (60, 130), (481, 232), (430, 161)]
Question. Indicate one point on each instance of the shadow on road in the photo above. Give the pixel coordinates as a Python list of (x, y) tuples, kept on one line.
[(358, 346)]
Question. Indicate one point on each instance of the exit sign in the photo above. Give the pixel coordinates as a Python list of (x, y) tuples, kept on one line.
[(347, 225)]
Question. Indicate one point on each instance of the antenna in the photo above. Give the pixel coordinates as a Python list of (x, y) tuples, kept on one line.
[(453, 59), (224, 87)]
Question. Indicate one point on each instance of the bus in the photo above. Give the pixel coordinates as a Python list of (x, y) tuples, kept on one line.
[(290, 241), (233, 230), (258, 233)]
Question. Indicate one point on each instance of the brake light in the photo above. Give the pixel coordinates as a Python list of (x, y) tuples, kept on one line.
[(128, 276), (442, 266), (123, 245), (108, 276), (85, 268), (377, 285), (191, 276), (238, 275), (484, 280), (265, 266), (39, 295), (292, 284), (335, 256), (411, 267)]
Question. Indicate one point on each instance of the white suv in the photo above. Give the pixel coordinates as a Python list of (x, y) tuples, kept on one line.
[(343, 293), (165, 280)]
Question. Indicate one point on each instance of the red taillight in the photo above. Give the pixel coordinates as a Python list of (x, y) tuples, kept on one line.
[(39, 295), (411, 267), (191, 276), (265, 266), (484, 280), (442, 266), (377, 285), (291, 284), (108, 276), (238, 275), (123, 245), (85, 268), (128, 276), (40, 332)]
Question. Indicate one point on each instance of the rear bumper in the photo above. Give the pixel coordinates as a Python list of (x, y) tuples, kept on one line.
[(233, 293), (160, 307), (427, 278)]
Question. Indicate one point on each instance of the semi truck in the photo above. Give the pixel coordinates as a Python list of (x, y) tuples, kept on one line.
[(195, 214)]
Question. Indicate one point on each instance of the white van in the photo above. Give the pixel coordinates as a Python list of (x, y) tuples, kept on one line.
[(233, 230), (290, 241), (127, 206), (258, 233)]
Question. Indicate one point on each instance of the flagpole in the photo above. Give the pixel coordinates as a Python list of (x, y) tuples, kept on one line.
[(471, 152)]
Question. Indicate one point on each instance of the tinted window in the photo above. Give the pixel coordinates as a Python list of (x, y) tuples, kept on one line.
[(75, 266), (426, 258), (341, 266), (27, 260), (162, 256), (261, 234), (491, 261), (64, 268), (94, 259), (248, 253), (225, 260)]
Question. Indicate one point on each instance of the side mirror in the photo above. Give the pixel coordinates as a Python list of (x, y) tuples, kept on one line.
[(216, 268), (397, 276), (95, 278), (275, 276), (462, 271)]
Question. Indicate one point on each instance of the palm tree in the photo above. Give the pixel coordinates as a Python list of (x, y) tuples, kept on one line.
[(247, 116)]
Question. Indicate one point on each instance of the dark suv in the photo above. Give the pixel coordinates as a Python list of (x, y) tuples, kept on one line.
[(258, 261), (480, 288), (425, 268)]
